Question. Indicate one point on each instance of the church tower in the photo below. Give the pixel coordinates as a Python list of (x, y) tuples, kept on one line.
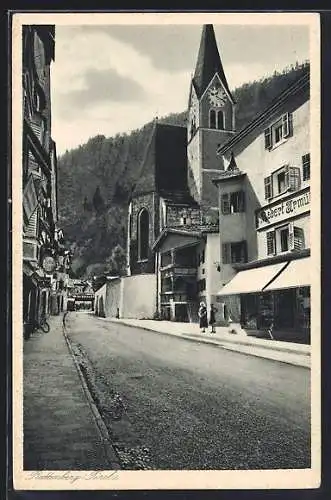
[(211, 121)]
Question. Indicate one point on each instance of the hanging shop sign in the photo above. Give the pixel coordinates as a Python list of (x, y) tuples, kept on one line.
[(287, 208), (49, 264)]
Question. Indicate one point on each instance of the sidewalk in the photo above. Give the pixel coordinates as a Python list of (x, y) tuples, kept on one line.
[(286, 352), (61, 428)]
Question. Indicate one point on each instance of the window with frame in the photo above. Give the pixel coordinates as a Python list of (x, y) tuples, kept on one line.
[(212, 118), (285, 179), (216, 119), (233, 202), (235, 252), (285, 238), (278, 131), (143, 234), (306, 167), (220, 120)]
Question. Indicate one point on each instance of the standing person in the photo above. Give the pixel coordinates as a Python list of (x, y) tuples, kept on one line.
[(212, 319), (203, 316)]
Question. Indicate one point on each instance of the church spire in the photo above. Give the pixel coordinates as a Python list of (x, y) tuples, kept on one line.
[(208, 62)]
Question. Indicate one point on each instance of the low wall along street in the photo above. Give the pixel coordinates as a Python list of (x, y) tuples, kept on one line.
[(297, 205), (133, 297)]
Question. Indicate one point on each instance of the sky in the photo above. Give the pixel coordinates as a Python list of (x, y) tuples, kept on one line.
[(109, 79)]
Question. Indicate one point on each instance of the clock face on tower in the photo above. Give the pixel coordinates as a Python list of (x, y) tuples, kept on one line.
[(217, 96)]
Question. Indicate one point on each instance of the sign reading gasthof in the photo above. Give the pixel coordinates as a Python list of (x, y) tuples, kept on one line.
[(297, 204)]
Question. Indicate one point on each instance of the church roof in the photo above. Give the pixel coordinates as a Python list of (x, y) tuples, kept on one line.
[(208, 62), (164, 167)]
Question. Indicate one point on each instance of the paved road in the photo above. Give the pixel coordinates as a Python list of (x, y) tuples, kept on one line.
[(174, 404)]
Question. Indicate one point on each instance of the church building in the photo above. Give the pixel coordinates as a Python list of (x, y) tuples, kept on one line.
[(173, 219)]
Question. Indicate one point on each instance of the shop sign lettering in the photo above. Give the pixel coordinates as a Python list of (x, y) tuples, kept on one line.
[(283, 210)]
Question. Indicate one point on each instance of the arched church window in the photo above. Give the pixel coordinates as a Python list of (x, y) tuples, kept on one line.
[(143, 234), (220, 120), (212, 118)]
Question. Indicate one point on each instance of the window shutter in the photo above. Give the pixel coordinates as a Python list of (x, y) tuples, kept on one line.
[(299, 238), (291, 236), (225, 203), (287, 176), (268, 187), (293, 178), (271, 247), (267, 138), (306, 167), (31, 229), (287, 124), (241, 201), (226, 253)]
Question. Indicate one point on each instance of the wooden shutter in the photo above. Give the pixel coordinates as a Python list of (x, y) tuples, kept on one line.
[(299, 238), (287, 122), (30, 200), (31, 227), (271, 243), (226, 248), (293, 178), (306, 167), (268, 192), (225, 203), (267, 138), (291, 236)]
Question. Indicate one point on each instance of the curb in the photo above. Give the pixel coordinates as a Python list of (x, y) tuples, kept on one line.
[(233, 346), (109, 451)]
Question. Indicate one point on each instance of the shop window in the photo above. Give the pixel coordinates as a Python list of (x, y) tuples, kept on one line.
[(278, 131), (143, 234), (306, 167), (282, 180), (234, 253), (233, 202)]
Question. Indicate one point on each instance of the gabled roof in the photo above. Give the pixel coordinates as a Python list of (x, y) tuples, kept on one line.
[(164, 167), (208, 62), (182, 232), (300, 85), (146, 181)]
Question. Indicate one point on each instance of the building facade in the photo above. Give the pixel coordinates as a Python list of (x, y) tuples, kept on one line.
[(45, 260), (264, 203), (175, 205), (232, 226)]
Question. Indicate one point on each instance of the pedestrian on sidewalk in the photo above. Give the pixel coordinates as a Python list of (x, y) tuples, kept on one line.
[(212, 319), (203, 316)]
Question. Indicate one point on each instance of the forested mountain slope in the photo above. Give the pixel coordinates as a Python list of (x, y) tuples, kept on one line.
[(96, 179)]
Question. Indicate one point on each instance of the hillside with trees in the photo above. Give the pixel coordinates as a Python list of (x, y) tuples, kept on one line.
[(96, 179)]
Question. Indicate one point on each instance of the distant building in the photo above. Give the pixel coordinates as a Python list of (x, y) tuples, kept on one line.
[(45, 259), (264, 196)]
